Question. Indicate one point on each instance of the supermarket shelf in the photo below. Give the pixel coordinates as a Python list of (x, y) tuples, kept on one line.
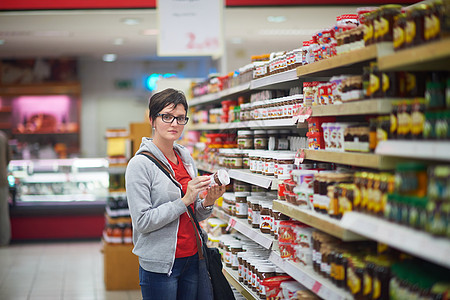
[(234, 125), (434, 56), (256, 235), (205, 126), (412, 241), (233, 278), (219, 213), (215, 97), (323, 287), (316, 220), (272, 123), (205, 167), (345, 62), (430, 150), (363, 107), (274, 80), (367, 160), (256, 179)]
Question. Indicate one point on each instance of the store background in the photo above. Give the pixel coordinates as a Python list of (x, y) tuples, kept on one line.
[(89, 34)]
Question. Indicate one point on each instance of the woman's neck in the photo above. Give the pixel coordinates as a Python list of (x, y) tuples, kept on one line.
[(166, 148)]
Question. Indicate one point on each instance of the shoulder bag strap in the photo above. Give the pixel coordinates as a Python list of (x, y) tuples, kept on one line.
[(191, 215)]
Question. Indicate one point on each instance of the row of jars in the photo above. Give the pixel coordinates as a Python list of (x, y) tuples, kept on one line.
[(250, 260), (263, 139), (257, 208), (278, 108), (269, 163)]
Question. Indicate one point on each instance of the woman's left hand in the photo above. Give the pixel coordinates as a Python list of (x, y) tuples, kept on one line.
[(213, 193)]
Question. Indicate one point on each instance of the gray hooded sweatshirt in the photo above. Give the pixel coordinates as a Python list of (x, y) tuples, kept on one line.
[(155, 207)]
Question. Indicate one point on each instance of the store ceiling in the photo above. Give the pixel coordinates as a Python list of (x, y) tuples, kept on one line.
[(90, 34)]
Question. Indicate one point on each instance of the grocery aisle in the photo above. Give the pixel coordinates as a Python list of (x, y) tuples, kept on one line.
[(55, 270)]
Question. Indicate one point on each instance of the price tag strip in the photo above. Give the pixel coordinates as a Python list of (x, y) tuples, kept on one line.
[(256, 235)]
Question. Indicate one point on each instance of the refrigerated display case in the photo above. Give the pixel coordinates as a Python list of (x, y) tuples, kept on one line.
[(58, 198)]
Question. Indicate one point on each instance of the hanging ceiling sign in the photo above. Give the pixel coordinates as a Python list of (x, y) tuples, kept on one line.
[(190, 27)]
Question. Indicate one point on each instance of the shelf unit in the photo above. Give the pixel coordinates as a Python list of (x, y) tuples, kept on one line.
[(409, 240), (256, 179), (317, 220), (215, 97), (353, 226), (305, 275), (346, 62), (274, 81), (256, 235), (429, 150), (233, 278), (434, 56), (362, 107), (218, 213), (366, 160)]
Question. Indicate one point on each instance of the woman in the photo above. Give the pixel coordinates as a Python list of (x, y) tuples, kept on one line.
[(163, 235)]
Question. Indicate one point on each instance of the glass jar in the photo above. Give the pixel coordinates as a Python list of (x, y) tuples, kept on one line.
[(386, 22), (265, 219), (285, 163), (241, 204), (245, 139), (260, 140)]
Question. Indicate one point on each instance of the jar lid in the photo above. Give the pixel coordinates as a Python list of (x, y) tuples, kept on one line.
[(263, 268), (241, 194), (222, 176), (229, 196), (260, 132), (245, 132)]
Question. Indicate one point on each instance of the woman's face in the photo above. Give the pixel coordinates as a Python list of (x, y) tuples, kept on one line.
[(169, 131)]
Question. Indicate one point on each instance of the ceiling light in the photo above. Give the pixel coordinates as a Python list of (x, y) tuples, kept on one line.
[(131, 21), (150, 31), (118, 41), (109, 57), (276, 19)]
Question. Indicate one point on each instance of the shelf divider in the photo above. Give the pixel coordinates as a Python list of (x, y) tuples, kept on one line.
[(433, 56), (233, 278), (430, 150), (316, 220), (367, 160), (321, 286), (410, 240), (256, 235)]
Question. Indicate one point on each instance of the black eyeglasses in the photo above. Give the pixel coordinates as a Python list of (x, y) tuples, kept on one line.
[(168, 118)]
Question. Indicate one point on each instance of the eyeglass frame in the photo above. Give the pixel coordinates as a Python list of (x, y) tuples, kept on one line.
[(173, 118)]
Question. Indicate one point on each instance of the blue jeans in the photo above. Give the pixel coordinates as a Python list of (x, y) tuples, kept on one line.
[(180, 285)]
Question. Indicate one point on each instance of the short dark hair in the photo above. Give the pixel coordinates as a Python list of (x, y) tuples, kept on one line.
[(163, 99)]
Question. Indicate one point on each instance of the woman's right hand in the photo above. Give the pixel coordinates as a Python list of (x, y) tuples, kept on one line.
[(195, 186)]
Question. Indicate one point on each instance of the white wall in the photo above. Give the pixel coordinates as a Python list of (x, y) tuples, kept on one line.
[(104, 106)]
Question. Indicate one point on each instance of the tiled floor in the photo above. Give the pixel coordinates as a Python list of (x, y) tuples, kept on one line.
[(55, 270)]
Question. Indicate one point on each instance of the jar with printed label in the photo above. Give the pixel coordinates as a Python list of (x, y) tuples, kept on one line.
[(260, 139), (285, 163), (241, 204), (265, 223), (245, 139)]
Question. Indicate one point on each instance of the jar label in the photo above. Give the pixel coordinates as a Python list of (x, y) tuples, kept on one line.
[(241, 209)]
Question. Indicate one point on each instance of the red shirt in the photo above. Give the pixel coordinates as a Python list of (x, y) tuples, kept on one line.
[(186, 242)]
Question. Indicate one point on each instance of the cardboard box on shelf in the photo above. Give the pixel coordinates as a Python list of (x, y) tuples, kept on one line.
[(121, 267)]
